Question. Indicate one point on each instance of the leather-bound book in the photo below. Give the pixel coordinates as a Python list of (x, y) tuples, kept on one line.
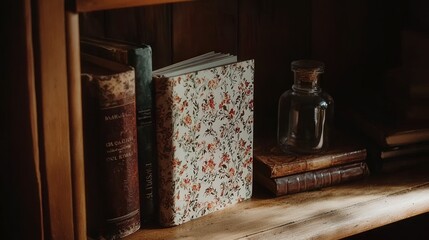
[(313, 180), (272, 162), (139, 56), (110, 142)]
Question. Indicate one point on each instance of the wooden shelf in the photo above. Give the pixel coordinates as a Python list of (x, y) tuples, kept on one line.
[(330, 213), (95, 5)]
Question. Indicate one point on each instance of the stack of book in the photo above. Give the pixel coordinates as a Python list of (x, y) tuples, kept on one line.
[(396, 121), (286, 173)]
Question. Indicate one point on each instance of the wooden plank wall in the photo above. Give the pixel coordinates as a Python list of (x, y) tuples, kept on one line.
[(273, 33), (345, 35)]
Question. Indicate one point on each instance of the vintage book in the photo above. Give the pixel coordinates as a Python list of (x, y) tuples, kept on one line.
[(204, 136), (407, 150), (110, 147), (383, 128), (139, 56), (379, 158), (312, 180), (272, 162)]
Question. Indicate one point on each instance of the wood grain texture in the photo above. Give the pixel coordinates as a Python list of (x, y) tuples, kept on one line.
[(53, 107), (95, 5), (20, 179), (330, 213), (154, 27), (273, 33), (76, 125), (203, 26), (116, 19), (92, 24)]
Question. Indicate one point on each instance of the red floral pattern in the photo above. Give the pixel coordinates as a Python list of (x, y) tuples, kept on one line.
[(205, 141)]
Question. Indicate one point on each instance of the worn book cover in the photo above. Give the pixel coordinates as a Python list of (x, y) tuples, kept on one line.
[(380, 158), (139, 56), (384, 129), (204, 140), (110, 143), (313, 180), (272, 162)]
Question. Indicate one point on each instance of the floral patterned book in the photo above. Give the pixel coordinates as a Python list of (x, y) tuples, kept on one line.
[(204, 140)]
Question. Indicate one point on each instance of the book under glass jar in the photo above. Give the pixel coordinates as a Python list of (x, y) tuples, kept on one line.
[(305, 112)]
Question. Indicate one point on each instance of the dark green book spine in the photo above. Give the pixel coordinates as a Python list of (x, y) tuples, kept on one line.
[(141, 59)]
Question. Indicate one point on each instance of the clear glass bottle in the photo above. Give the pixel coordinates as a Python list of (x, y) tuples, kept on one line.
[(305, 113)]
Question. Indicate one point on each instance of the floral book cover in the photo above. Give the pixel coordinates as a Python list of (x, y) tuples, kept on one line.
[(204, 140)]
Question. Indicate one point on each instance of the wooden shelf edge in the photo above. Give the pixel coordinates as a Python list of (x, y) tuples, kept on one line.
[(96, 5), (330, 213), (357, 218)]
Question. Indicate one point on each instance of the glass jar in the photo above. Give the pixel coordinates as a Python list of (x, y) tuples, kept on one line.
[(305, 113)]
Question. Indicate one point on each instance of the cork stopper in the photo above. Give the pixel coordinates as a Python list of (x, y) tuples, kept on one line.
[(307, 70)]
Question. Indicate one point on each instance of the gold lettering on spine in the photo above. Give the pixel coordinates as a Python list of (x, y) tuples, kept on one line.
[(119, 144)]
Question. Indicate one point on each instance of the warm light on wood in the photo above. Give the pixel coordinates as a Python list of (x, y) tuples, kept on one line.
[(330, 213), (76, 127), (54, 120), (95, 5)]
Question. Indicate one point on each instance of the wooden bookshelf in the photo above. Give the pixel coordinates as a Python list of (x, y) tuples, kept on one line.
[(45, 163)]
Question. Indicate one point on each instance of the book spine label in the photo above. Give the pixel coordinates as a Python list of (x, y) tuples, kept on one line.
[(146, 155), (318, 179), (141, 59), (118, 153)]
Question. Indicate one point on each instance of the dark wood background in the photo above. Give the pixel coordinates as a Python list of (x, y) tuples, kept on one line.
[(358, 40)]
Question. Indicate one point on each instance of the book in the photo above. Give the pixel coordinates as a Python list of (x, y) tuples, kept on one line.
[(313, 180), (271, 162), (204, 137), (110, 143), (384, 129), (139, 56), (404, 150), (379, 158)]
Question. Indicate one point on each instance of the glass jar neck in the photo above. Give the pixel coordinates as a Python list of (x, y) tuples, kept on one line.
[(306, 81)]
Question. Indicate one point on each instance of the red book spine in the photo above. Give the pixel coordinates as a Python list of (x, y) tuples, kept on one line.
[(111, 154), (119, 156)]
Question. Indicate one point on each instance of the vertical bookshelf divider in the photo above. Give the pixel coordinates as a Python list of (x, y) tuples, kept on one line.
[(76, 125)]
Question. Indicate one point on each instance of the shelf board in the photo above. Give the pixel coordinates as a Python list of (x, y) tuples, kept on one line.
[(330, 213), (96, 5)]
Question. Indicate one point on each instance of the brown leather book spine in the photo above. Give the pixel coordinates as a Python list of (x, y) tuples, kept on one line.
[(273, 163), (118, 195), (314, 179), (119, 156)]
